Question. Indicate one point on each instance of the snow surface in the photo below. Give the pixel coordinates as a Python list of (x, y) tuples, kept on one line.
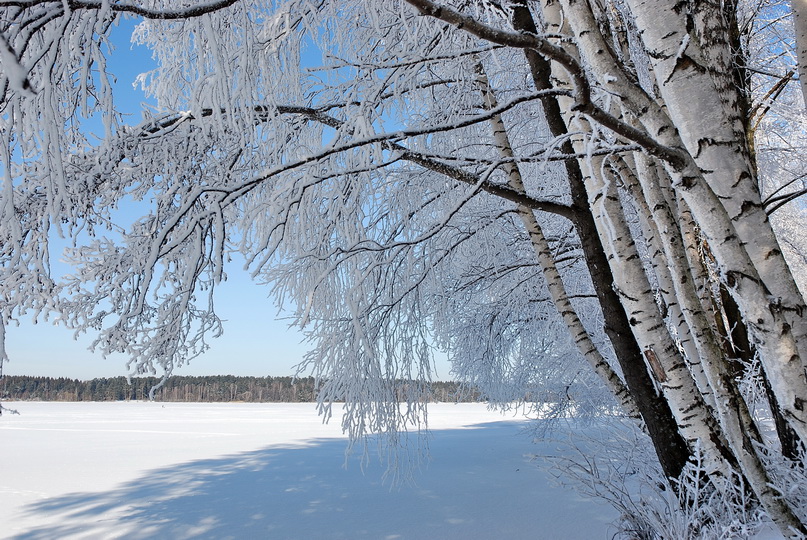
[(174, 470)]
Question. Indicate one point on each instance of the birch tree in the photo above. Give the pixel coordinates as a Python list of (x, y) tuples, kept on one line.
[(572, 199)]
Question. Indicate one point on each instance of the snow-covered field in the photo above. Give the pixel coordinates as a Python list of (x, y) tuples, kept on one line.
[(151, 470)]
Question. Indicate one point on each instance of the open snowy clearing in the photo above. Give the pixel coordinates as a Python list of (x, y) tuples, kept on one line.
[(154, 470)]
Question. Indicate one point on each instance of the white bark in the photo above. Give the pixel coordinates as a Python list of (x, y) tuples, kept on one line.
[(734, 416), (774, 311), (694, 64), (629, 174), (666, 363), (694, 419), (543, 253), (775, 321), (735, 419)]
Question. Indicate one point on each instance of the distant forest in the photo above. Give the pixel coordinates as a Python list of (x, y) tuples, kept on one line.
[(217, 388)]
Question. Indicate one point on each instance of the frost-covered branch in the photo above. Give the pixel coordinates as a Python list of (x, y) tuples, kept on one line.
[(581, 85), (387, 140), (202, 8)]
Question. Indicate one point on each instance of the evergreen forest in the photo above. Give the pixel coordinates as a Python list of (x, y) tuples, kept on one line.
[(212, 388)]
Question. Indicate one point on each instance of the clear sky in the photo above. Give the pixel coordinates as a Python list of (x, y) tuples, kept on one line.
[(256, 340)]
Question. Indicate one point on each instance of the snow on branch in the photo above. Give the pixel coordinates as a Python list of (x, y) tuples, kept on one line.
[(580, 82), (197, 10)]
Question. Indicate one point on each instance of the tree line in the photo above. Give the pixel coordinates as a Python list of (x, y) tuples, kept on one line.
[(211, 388)]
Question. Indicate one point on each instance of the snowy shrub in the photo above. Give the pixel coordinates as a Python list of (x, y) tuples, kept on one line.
[(616, 464)]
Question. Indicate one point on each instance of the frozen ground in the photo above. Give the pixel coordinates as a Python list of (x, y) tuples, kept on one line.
[(150, 470)]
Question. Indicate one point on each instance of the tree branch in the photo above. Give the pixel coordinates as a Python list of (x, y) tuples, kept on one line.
[(582, 86), (386, 141), (75, 5)]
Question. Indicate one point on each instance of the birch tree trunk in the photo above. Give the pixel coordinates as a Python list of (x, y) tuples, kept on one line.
[(670, 447), (725, 200), (734, 417), (543, 253), (771, 321), (695, 422), (675, 315)]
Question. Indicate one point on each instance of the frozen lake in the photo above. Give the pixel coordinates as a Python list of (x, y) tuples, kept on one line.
[(173, 470)]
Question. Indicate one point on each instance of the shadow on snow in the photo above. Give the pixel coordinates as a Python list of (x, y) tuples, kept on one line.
[(478, 484)]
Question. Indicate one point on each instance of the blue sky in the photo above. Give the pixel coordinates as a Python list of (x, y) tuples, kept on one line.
[(256, 341)]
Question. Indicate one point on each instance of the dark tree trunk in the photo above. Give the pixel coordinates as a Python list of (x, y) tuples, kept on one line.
[(671, 449)]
